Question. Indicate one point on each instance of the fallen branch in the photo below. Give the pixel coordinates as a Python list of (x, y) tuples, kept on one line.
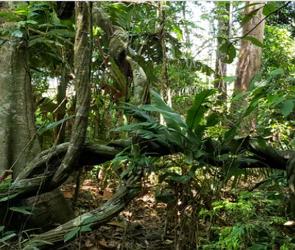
[(38, 174), (91, 219)]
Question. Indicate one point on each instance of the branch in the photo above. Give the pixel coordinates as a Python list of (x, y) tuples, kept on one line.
[(93, 218)]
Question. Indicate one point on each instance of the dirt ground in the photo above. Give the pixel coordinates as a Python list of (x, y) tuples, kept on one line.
[(140, 226)]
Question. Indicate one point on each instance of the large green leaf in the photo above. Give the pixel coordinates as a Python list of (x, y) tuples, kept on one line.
[(172, 119), (228, 49), (137, 113), (287, 107), (196, 113), (8, 237)]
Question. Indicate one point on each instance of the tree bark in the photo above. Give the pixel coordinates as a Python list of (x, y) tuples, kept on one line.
[(291, 182), (82, 63), (250, 55), (61, 106), (29, 181), (165, 88), (94, 218), (19, 143), (224, 26), (17, 130)]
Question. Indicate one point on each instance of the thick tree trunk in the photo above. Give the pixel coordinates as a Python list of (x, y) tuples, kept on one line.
[(19, 143), (250, 55), (17, 130)]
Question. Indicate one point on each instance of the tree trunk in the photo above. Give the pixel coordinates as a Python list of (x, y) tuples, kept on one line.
[(17, 130), (61, 106), (291, 182), (82, 62), (186, 37), (250, 55), (19, 143), (165, 89), (224, 26)]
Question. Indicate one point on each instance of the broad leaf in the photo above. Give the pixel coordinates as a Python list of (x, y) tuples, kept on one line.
[(228, 49), (70, 235), (287, 107), (7, 237), (197, 111), (172, 119), (254, 40)]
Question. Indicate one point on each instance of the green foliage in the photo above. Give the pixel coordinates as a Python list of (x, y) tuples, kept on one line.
[(227, 49), (6, 237), (22, 210), (47, 35), (198, 110), (279, 50), (270, 8), (251, 221), (253, 40), (176, 132), (198, 128), (53, 125)]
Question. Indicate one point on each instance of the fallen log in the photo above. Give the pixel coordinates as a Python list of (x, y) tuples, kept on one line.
[(37, 177), (86, 221), (38, 174)]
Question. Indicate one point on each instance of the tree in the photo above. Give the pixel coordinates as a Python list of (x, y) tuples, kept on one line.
[(19, 143), (223, 14), (250, 55), (147, 138)]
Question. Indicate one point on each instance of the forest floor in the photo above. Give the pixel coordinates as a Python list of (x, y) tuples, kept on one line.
[(140, 226), (144, 225)]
